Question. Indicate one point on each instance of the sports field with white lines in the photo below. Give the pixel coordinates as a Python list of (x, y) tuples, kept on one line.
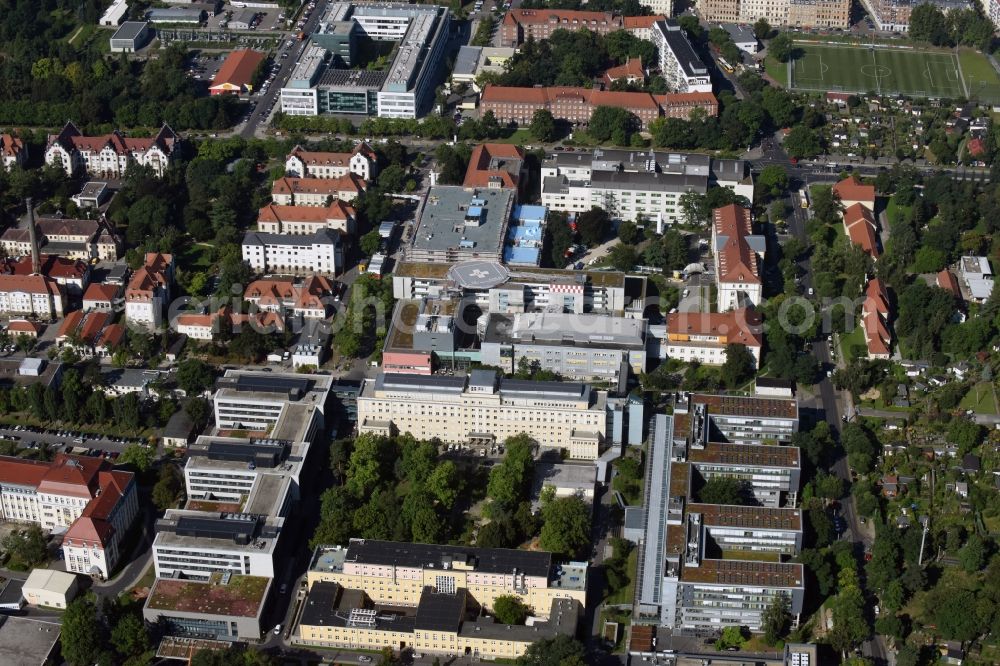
[(862, 68)]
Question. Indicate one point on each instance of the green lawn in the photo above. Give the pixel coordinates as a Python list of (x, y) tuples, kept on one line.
[(519, 137), (894, 210), (981, 78), (626, 594), (849, 340), (196, 256), (979, 399), (860, 69), (777, 70)]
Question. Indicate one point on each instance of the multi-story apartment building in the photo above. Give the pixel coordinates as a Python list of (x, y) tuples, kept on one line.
[(894, 15), (819, 13), (13, 152), (629, 184), (521, 24), (798, 13), (704, 336), (316, 191), (396, 574), (705, 567), (109, 155), (319, 252), (307, 219), (148, 291), (83, 497), (362, 162), (577, 346), (493, 287), (991, 9), (738, 255), (642, 26), (680, 65), (576, 105), (65, 237), (36, 295), (481, 407)]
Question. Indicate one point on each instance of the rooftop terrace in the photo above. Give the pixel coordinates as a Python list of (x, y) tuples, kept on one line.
[(242, 596)]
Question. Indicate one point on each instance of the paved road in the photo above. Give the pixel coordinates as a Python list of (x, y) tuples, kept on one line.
[(259, 116), (830, 405)]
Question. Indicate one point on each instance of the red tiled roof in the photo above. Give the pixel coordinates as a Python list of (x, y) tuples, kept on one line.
[(71, 475), (112, 336), (876, 297), (632, 69), (238, 69), (639, 22), (24, 326), (337, 210), (10, 145), (102, 292), (860, 226), (947, 281), (329, 186), (737, 261), (573, 17), (32, 284), (851, 189), (18, 471), (274, 293), (488, 162), (51, 265), (740, 326)]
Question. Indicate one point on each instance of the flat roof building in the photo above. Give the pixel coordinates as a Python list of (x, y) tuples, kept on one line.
[(130, 37), (443, 622), (455, 224), (494, 287), (227, 607), (680, 64), (629, 184), (705, 566), (578, 346), (318, 85), (26, 642), (49, 587), (482, 408), (396, 574)]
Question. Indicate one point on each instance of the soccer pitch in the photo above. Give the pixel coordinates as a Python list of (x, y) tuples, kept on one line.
[(864, 68)]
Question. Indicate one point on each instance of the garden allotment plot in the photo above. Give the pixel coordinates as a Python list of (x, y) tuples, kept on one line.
[(863, 68)]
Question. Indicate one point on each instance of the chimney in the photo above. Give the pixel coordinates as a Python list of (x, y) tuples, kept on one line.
[(36, 266)]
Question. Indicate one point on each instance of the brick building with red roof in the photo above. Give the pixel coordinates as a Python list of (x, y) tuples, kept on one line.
[(576, 105), (93, 506), (495, 165), (861, 228), (876, 317), (520, 24)]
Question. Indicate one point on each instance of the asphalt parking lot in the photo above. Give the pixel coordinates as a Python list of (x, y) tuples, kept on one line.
[(203, 66), (267, 20)]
